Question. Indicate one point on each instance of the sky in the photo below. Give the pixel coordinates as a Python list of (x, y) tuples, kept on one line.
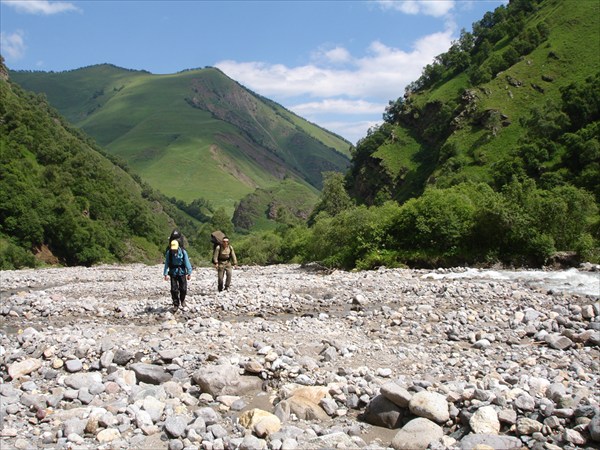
[(336, 63)]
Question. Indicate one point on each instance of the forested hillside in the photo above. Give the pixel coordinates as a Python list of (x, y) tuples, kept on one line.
[(514, 99), (491, 156), (62, 200)]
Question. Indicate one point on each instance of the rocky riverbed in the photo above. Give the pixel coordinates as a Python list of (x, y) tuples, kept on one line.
[(294, 358)]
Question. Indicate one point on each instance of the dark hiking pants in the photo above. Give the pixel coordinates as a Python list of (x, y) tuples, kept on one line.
[(178, 289)]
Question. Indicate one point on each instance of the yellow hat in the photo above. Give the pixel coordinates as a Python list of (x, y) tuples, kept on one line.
[(174, 245)]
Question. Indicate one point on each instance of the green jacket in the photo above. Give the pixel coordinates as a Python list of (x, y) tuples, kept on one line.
[(222, 255)]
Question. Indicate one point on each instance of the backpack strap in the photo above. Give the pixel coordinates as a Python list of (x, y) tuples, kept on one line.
[(171, 264)]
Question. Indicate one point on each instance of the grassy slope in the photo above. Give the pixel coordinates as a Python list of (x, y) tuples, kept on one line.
[(575, 38), (183, 151)]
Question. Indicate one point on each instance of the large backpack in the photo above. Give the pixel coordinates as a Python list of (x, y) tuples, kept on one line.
[(175, 236), (216, 237)]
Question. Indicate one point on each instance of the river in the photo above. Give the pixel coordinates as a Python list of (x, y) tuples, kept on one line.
[(571, 281)]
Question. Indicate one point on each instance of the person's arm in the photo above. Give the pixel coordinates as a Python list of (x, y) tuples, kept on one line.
[(216, 255), (188, 265), (166, 268), (233, 258)]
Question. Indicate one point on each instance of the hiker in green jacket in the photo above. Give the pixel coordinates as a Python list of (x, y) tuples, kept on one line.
[(224, 260)]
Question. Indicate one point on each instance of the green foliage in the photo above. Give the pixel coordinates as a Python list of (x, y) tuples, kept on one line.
[(261, 248), (221, 221), (13, 256), (334, 198), (58, 190), (469, 223), (288, 202)]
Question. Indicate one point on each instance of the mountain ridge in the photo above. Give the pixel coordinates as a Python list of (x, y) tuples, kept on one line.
[(168, 128)]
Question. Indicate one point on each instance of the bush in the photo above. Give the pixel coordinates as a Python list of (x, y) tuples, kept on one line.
[(261, 249), (13, 256)]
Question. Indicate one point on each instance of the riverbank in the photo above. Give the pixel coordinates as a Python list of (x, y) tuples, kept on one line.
[(94, 358)]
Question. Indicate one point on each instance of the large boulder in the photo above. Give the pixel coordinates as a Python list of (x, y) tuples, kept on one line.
[(150, 373), (261, 422), (382, 412), (225, 379), (417, 435), (430, 405)]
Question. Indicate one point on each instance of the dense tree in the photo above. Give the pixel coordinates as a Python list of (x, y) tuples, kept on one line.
[(334, 199)]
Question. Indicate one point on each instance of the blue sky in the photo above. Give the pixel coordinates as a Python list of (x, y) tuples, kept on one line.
[(336, 63)]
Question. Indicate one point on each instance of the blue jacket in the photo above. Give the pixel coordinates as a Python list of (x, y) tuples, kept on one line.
[(179, 262)]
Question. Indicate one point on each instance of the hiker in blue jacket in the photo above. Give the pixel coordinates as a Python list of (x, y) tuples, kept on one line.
[(179, 269)]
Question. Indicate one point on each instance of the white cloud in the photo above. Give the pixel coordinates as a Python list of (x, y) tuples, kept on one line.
[(350, 130), (435, 8), (382, 73), (45, 7), (356, 85), (12, 45), (338, 106), (336, 55)]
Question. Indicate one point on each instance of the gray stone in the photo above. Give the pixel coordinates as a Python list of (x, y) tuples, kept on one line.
[(217, 430), (525, 402), (332, 440), (251, 442), (153, 407), (329, 405), (225, 380), (396, 394), (208, 415), (383, 413), (74, 426), (496, 442), (175, 426), (73, 365), (84, 396), (107, 358), (594, 428), (122, 357), (558, 342), (430, 405), (417, 435), (85, 379), (36, 401), (150, 373)]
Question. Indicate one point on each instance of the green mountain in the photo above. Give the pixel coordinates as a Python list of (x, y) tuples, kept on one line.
[(63, 200), (192, 135), (518, 97), (491, 156)]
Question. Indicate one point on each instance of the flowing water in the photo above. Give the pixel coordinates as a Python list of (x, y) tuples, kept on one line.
[(571, 281)]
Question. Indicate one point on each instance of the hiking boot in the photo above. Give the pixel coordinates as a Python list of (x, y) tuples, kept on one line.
[(175, 308), (182, 304)]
